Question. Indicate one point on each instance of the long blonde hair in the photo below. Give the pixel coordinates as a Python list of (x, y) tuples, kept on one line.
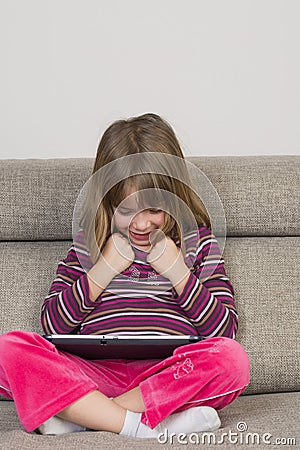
[(140, 135)]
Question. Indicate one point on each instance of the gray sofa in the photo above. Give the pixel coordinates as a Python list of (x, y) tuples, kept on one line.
[(260, 195)]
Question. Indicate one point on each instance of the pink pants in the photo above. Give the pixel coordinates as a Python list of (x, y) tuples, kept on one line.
[(43, 381)]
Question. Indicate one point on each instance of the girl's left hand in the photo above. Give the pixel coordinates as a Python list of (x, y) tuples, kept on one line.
[(166, 258)]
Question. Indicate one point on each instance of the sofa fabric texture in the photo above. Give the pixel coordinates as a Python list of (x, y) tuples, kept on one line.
[(260, 197)]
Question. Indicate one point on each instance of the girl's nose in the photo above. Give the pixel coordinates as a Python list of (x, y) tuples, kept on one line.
[(141, 221)]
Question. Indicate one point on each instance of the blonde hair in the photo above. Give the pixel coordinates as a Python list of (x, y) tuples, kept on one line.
[(137, 135)]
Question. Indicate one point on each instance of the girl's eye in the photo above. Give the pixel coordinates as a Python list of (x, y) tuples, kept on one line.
[(155, 211), (125, 212)]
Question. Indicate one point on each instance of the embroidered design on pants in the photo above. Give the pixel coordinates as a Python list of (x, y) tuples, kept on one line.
[(183, 369)]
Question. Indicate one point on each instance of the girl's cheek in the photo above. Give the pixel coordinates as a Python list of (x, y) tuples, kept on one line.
[(121, 221), (161, 219)]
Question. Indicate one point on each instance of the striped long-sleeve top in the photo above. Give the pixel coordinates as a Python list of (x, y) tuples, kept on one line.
[(141, 301)]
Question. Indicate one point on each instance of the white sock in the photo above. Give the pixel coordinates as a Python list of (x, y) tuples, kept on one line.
[(133, 426), (192, 420), (56, 425)]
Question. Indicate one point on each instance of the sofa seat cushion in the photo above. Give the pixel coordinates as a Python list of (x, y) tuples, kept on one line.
[(266, 416)]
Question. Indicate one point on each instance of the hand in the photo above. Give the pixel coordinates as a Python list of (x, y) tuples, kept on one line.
[(118, 253), (166, 258), (116, 256)]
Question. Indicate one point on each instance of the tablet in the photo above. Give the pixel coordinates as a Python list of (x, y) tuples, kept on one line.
[(120, 347)]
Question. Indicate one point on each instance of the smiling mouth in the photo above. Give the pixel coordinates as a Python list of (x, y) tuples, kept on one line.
[(139, 236)]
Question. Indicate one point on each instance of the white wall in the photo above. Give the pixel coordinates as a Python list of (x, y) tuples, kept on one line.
[(224, 73)]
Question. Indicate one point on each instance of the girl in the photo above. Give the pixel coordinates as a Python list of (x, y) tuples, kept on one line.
[(139, 264)]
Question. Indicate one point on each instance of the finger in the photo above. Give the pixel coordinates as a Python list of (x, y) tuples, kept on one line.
[(158, 245), (120, 245), (122, 235), (156, 236)]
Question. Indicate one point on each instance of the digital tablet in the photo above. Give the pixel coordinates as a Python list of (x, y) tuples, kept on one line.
[(120, 347)]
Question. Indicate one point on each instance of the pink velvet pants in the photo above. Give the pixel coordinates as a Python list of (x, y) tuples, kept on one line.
[(43, 381)]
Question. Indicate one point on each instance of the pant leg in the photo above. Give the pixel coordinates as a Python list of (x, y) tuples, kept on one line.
[(212, 372), (43, 381)]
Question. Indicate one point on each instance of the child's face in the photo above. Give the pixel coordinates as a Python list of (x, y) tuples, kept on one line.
[(135, 223)]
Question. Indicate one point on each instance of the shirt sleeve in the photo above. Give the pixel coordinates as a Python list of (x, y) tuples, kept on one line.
[(68, 301), (208, 296)]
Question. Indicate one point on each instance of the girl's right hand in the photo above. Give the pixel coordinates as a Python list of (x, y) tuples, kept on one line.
[(116, 256), (117, 253)]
